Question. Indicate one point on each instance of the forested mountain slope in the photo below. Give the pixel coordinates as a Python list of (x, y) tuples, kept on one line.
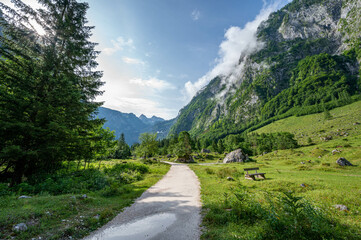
[(309, 61)]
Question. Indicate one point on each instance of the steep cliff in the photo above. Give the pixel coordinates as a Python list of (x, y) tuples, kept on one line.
[(308, 55)]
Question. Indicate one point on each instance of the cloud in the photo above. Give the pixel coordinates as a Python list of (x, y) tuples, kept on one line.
[(238, 41), (129, 60), (152, 83), (118, 45), (196, 14)]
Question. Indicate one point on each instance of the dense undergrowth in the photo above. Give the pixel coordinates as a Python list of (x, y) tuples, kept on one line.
[(58, 208)]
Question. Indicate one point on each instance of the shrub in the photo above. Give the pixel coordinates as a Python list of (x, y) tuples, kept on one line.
[(209, 170), (292, 217), (4, 189)]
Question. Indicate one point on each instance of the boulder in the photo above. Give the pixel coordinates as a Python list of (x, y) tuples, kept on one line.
[(204, 150), (235, 156), (20, 227), (343, 162)]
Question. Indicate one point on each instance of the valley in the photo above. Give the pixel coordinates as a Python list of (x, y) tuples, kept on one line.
[(282, 97)]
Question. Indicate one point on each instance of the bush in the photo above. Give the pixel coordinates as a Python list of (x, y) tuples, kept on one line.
[(291, 217), (4, 189)]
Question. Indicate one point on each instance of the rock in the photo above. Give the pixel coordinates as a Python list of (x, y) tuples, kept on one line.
[(184, 160), (235, 156), (84, 196), (204, 150), (343, 162), (23, 196), (341, 207), (356, 123), (303, 185), (169, 155), (97, 217), (20, 227), (302, 162), (326, 139), (335, 151), (230, 178)]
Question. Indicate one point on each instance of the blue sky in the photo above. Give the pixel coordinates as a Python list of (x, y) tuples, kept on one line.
[(156, 54)]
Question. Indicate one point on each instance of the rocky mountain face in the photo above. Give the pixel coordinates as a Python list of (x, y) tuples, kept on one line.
[(132, 126), (309, 55), (150, 121)]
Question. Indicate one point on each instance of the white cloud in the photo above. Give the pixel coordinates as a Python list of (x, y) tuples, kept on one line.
[(152, 83), (238, 41), (118, 45), (129, 60), (196, 14)]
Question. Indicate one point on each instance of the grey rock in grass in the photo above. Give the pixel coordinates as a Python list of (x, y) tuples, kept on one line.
[(230, 178), (235, 156), (335, 151), (20, 227), (204, 150), (341, 207), (23, 196), (343, 162), (84, 196), (303, 185)]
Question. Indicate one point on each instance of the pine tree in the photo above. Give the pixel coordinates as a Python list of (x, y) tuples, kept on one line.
[(184, 147), (47, 87)]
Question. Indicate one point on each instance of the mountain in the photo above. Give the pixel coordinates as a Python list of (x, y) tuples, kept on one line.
[(150, 121), (307, 59), (132, 126)]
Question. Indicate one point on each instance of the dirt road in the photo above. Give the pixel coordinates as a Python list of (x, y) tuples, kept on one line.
[(168, 210)]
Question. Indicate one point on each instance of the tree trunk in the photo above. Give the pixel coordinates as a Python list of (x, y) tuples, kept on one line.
[(18, 172)]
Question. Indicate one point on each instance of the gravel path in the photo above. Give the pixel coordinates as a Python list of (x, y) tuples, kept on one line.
[(168, 210)]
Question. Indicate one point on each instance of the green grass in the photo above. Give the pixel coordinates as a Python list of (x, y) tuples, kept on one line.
[(314, 126), (61, 216), (327, 184)]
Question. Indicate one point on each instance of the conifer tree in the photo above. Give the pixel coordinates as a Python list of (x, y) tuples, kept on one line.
[(47, 86)]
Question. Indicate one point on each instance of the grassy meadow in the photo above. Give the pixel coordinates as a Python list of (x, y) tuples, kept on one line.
[(297, 200), (57, 215)]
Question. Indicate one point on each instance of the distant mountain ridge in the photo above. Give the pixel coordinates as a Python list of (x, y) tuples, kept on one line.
[(131, 125), (151, 121)]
